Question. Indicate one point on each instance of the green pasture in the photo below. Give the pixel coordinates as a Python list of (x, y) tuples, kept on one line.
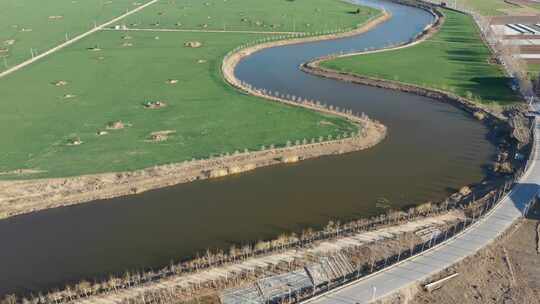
[(251, 15), (455, 59), (30, 24), (207, 116)]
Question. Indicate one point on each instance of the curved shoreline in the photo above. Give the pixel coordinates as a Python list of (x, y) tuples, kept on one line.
[(313, 67), (28, 196)]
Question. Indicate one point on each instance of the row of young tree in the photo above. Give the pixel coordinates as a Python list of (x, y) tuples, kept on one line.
[(235, 254)]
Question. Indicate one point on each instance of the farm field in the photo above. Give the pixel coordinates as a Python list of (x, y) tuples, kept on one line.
[(248, 15), (85, 112), (455, 59), (23, 27)]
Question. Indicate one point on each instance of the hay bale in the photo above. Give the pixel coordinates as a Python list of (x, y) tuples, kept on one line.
[(115, 125), (479, 115), (201, 61), (101, 133), (60, 83), (172, 81), (288, 159), (69, 96), (127, 37), (75, 141), (24, 30), (9, 42), (155, 104), (193, 44), (465, 191), (56, 17), (127, 44), (160, 136)]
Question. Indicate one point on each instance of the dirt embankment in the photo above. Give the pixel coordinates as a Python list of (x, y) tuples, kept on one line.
[(21, 197)]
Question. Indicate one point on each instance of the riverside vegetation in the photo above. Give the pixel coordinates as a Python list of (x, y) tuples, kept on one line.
[(455, 59)]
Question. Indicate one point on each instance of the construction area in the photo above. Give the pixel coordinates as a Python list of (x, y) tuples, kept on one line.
[(521, 34)]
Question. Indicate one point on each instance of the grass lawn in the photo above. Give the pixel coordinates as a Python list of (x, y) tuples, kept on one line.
[(208, 116), (27, 23), (455, 59), (268, 15)]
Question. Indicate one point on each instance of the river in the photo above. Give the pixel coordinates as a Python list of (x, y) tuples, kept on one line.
[(432, 149)]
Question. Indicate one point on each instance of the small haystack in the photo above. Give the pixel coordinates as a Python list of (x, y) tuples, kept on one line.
[(24, 29), (127, 37), (60, 83), (201, 61), (9, 42), (116, 125), (193, 44), (127, 44), (160, 136), (94, 49), (155, 104), (156, 38), (101, 133), (56, 17), (75, 141), (69, 96), (172, 81)]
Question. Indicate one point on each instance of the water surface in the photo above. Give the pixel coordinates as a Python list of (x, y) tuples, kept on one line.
[(431, 150)]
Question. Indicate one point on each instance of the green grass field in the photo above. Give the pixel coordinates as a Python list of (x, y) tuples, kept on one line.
[(269, 15), (455, 59), (207, 116), (27, 23)]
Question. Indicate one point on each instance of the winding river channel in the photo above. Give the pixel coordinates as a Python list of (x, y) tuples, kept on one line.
[(432, 149)]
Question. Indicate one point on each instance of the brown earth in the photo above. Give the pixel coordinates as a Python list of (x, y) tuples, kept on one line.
[(506, 272)]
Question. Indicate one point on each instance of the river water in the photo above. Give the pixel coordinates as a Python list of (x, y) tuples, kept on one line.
[(432, 149)]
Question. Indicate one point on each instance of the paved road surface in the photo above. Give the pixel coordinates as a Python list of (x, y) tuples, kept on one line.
[(431, 262)]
